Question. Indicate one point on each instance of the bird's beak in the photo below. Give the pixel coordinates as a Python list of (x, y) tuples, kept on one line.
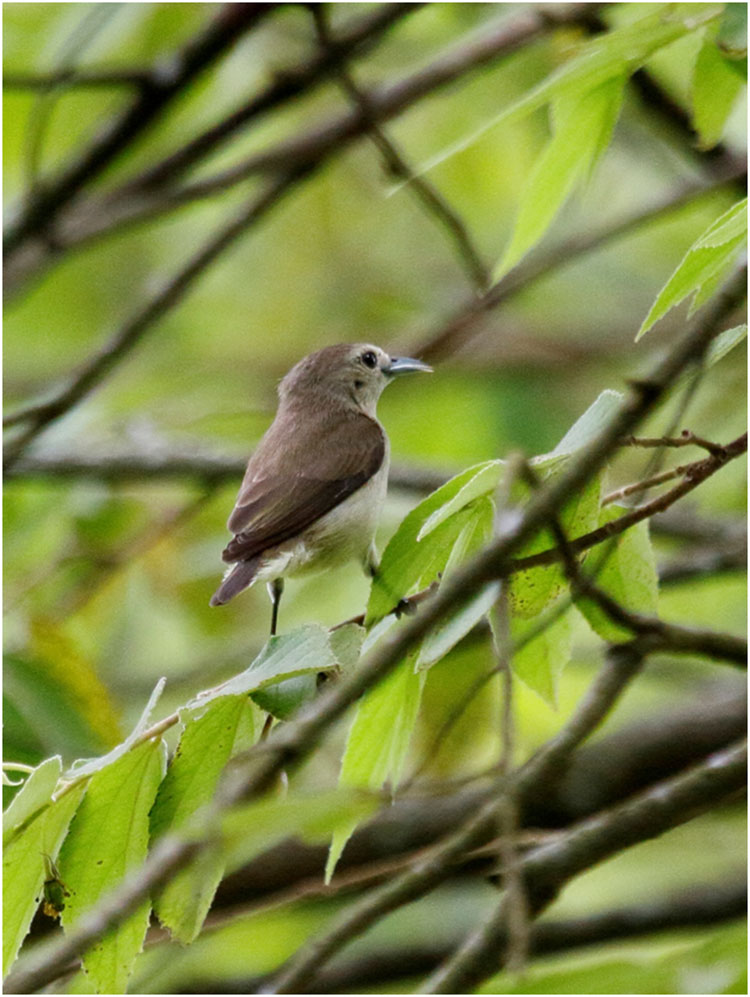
[(405, 365)]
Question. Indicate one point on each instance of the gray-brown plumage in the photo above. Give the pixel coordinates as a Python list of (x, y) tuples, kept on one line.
[(314, 487)]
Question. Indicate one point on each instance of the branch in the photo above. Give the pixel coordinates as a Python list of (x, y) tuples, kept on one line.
[(287, 85), (396, 166), (290, 744), (298, 972), (311, 150), (78, 78), (549, 868), (657, 634), (701, 470), (704, 906), (163, 86), (40, 414), (175, 462), (463, 325)]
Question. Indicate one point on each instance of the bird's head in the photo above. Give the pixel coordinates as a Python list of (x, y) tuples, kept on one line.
[(354, 374)]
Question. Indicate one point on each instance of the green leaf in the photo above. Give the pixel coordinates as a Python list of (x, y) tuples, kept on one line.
[(254, 827), (23, 868), (533, 590), (406, 562), (88, 766), (584, 125), (714, 90), (299, 652), (724, 343), (613, 54), (588, 426), (540, 660), (628, 574), (378, 741), (108, 838), (346, 645), (35, 794), (732, 34), (709, 254), (210, 738), (283, 699), (446, 634), (484, 480), (727, 228), (703, 962)]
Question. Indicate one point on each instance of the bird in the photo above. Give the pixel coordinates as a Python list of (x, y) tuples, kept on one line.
[(314, 487)]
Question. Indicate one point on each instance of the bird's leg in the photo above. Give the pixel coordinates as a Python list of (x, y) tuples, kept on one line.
[(275, 588), (371, 561)]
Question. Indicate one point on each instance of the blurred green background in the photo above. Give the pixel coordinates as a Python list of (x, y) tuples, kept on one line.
[(107, 583)]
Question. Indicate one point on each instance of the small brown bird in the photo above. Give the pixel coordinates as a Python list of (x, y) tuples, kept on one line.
[(313, 489)]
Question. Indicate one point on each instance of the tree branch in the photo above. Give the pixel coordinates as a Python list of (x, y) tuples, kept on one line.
[(396, 166), (299, 971), (164, 85), (39, 415), (451, 335), (95, 218), (549, 868)]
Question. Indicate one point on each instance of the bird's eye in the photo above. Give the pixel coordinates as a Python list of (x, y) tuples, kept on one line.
[(369, 359)]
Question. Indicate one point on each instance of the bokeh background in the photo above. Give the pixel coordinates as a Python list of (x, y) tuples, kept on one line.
[(108, 575)]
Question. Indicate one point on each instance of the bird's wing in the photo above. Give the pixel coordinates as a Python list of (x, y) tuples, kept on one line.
[(295, 480)]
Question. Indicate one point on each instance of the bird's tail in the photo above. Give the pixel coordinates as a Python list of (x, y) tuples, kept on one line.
[(239, 576)]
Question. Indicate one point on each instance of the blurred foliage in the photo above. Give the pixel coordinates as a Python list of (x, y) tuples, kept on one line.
[(107, 582)]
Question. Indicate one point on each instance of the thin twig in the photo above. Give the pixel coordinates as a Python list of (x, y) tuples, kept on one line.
[(454, 333), (71, 78), (396, 166)]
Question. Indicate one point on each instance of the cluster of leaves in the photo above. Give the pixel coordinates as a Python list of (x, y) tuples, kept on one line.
[(585, 97)]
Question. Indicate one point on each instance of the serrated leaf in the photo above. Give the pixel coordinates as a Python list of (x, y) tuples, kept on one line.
[(209, 739), (88, 766), (531, 591), (406, 562), (540, 660), (23, 868), (449, 631), (584, 128), (715, 87), (711, 285), (107, 839), (725, 342), (727, 228), (378, 741), (617, 52), (35, 793), (298, 652), (628, 574), (712, 252), (254, 827)]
